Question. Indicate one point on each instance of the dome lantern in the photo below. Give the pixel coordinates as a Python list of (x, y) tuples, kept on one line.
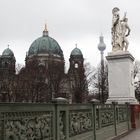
[(45, 32)]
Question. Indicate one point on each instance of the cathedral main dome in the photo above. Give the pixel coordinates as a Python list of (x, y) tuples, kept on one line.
[(45, 45)]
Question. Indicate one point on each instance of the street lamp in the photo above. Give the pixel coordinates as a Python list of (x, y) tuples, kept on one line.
[(102, 47)]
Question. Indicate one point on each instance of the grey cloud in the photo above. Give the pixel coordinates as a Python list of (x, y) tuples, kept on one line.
[(68, 20)]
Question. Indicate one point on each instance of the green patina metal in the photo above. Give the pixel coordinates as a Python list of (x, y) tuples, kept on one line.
[(8, 52), (76, 52), (45, 45), (62, 121)]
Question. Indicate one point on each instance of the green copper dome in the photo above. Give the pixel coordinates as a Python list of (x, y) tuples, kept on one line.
[(76, 52), (45, 45), (8, 52)]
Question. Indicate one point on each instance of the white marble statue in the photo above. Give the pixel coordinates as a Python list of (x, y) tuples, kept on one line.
[(120, 31)]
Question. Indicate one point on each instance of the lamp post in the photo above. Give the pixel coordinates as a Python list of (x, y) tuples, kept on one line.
[(102, 47)]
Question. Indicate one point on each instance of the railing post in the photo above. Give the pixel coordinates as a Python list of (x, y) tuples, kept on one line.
[(61, 119), (94, 104), (94, 120), (128, 114), (115, 124), (99, 115)]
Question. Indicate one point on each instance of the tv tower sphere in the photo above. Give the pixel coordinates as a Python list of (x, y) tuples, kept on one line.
[(101, 45)]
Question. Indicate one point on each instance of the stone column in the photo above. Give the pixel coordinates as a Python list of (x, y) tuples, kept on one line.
[(121, 77)]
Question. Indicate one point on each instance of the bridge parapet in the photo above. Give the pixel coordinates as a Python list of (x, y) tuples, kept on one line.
[(62, 121)]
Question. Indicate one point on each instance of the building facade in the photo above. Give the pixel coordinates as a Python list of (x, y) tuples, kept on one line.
[(43, 77)]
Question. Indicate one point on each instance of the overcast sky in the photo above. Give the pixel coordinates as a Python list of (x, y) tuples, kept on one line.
[(69, 22)]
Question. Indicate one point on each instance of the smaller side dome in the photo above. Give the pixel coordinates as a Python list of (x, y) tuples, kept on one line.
[(76, 52), (8, 52)]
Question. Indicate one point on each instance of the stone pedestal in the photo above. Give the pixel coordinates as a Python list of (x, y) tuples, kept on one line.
[(121, 77)]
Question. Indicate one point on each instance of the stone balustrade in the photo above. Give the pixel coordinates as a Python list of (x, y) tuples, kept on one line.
[(62, 121)]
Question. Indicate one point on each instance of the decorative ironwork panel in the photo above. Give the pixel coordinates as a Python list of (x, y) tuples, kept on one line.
[(28, 125), (106, 116), (80, 122), (122, 114), (62, 125)]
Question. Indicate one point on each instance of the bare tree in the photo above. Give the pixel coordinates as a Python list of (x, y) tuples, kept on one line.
[(94, 78), (90, 73), (19, 67), (41, 79)]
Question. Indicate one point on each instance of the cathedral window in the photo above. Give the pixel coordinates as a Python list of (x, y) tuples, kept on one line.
[(5, 64), (76, 65)]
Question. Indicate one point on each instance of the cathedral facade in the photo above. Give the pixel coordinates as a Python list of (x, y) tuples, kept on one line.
[(43, 77)]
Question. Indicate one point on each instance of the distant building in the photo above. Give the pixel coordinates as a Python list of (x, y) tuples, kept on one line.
[(43, 77)]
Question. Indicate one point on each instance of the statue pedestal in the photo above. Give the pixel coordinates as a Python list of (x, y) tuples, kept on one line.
[(121, 77)]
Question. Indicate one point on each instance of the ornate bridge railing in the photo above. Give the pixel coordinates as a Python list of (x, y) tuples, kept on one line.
[(61, 121), (27, 121)]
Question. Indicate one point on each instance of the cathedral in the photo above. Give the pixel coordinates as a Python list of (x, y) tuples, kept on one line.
[(43, 77)]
